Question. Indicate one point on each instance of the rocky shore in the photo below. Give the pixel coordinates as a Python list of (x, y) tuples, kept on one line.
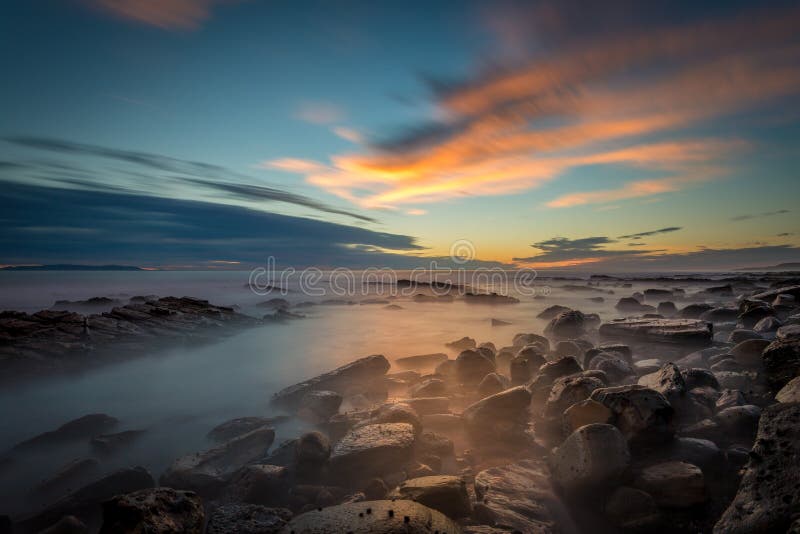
[(680, 415)]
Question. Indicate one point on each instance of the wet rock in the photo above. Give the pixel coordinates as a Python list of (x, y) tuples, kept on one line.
[(720, 315), (247, 519), (241, 425), (790, 392), (156, 510), (491, 384), (566, 325), (556, 369), (767, 325), (586, 412), (768, 500), (429, 443), (428, 405), (465, 343), (499, 419), (320, 405), (781, 361), (111, 443), (785, 333), (729, 398), (667, 309), (312, 451), (694, 311), (520, 497), (645, 367), (668, 381), (373, 449), (421, 360), (678, 331), (616, 369), (362, 371), (569, 390), (733, 380), (673, 484), (740, 334), (471, 367), (68, 476), (551, 311), (263, 484), (399, 412), (748, 352), (643, 416), (374, 517), (204, 472), (751, 317), (375, 489), (703, 453), (739, 421), (85, 503), (82, 428), (431, 387), (630, 304), (632, 510), (593, 456), (445, 493)]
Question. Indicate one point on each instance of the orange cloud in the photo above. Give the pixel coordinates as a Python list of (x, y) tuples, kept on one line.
[(166, 14)]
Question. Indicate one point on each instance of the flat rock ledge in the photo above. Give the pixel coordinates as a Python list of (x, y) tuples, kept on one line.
[(673, 331)]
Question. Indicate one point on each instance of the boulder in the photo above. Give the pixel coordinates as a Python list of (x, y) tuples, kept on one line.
[(781, 361), (471, 367), (748, 352), (703, 453), (373, 449), (241, 425), (465, 343), (643, 416), (740, 334), (673, 331), (593, 456), (630, 304), (522, 340), (81, 428), (645, 367), (569, 390), (767, 499), (521, 498), (421, 360), (154, 510), (568, 348), (695, 378), (790, 392), (752, 316), (556, 369), (667, 308), (66, 477), (373, 517), (552, 311), (204, 472), (427, 405), (111, 443), (364, 371), (668, 381), (616, 369), (247, 519), (312, 450), (739, 421), (566, 325), (430, 387), (445, 493), (399, 412), (694, 311), (632, 509), (586, 412), (767, 325), (320, 404), (673, 484), (263, 484), (720, 315), (491, 384), (500, 418)]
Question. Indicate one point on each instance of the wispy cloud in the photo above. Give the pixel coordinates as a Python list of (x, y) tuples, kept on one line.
[(165, 14), (759, 215), (667, 230), (348, 134), (599, 100)]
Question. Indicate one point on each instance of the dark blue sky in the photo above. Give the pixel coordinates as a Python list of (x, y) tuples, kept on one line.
[(360, 133)]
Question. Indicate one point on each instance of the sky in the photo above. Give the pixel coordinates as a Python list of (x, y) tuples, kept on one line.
[(211, 134)]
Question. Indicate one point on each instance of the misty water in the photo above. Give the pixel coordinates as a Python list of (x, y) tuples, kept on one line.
[(179, 394)]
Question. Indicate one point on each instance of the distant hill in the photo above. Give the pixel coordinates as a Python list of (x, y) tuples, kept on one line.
[(793, 266), (69, 267)]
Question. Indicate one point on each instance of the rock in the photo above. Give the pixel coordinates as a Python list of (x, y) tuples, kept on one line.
[(781, 361), (373, 449), (569, 390), (739, 421), (374, 517), (566, 325), (556, 369), (520, 497), (66, 477), (767, 325), (751, 317), (156, 510), (643, 416), (695, 378), (375, 489), (668, 381), (421, 360), (703, 453), (694, 311), (489, 298), (645, 367), (499, 322), (656, 294), (69, 524), (733, 380), (247, 519), (741, 334), (491, 384), (790, 392), (630, 304), (263, 484), (784, 300), (363, 371), (499, 419), (444, 422), (320, 404), (748, 352), (465, 343), (399, 412), (632, 510), (78, 429), (431, 387), (593, 456), (472, 366), (427, 405), (720, 315), (616, 369), (678, 331), (241, 425), (204, 472), (673, 484), (111, 443), (729, 398), (586, 412), (429, 443), (447, 494), (312, 450), (667, 308), (785, 333), (768, 500), (85, 502), (551, 311)]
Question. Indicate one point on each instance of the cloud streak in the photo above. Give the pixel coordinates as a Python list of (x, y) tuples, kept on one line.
[(759, 215), (164, 14), (667, 230)]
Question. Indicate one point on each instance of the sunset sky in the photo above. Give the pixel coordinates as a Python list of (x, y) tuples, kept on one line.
[(214, 133)]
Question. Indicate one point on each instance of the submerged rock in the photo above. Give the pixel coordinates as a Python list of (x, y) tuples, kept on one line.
[(679, 331), (156, 511), (373, 517)]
